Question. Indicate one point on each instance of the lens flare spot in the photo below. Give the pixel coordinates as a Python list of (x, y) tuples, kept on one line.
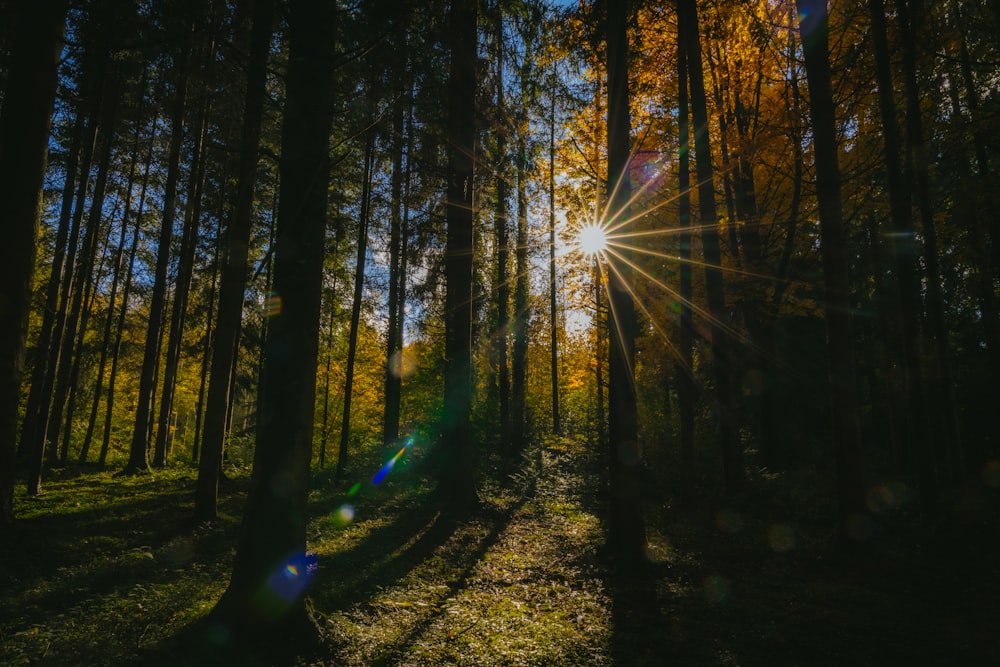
[(402, 363), (272, 304), (354, 490), (287, 583), (343, 515)]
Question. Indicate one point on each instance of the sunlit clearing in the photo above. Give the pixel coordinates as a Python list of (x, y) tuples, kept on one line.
[(592, 240)]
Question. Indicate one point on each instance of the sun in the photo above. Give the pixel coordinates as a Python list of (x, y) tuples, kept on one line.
[(592, 240)]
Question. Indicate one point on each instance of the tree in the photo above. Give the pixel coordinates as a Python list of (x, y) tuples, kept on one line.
[(24, 129), (264, 603), (846, 428), (458, 491), (732, 452), (234, 269), (139, 450), (626, 534)]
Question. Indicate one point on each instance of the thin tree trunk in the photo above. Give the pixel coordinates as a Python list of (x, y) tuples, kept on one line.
[(234, 269), (732, 449), (126, 293), (685, 362), (904, 244), (85, 280), (48, 337), (359, 284), (846, 431), (185, 265), (941, 383), (112, 297), (553, 312), (394, 334), (502, 239), (139, 451)]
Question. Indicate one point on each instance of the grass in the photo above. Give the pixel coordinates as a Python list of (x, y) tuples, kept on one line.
[(103, 570)]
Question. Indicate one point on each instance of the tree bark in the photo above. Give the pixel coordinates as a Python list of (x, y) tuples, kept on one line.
[(626, 530), (265, 604), (846, 427), (24, 130), (732, 449), (457, 484), (234, 268), (364, 219), (139, 449), (684, 368)]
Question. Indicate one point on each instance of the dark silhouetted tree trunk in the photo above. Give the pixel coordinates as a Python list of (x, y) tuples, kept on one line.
[(684, 368), (904, 243), (185, 259), (24, 131), (732, 450), (846, 431), (394, 335), (139, 450), (626, 531), (364, 220), (264, 604), (234, 267), (553, 310), (457, 484)]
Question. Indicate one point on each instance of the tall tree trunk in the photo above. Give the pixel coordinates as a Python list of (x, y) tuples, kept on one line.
[(234, 268), (685, 345), (904, 245), (112, 297), (24, 130), (364, 219), (394, 335), (85, 282), (185, 261), (626, 531), (139, 450), (846, 431), (123, 312), (732, 450), (206, 352), (553, 311), (264, 604), (502, 240), (520, 321), (48, 337), (944, 415), (457, 484)]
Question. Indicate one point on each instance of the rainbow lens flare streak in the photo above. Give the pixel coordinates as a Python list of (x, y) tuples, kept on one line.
[(344, 514), (387, 468)]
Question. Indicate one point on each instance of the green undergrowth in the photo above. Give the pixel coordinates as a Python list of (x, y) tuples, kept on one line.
[(105, 570)]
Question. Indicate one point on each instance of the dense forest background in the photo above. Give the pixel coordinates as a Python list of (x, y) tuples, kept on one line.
[(706, 255)]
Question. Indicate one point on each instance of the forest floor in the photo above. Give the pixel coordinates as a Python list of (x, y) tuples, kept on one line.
[(104, 570)]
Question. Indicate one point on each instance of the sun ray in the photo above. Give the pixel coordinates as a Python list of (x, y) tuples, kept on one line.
[(694, 262), (656, 325)]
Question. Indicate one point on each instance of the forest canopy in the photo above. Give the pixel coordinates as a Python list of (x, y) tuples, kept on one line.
[(717, 250)]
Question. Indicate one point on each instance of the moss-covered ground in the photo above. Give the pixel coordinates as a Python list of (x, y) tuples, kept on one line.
[(106, 570)]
